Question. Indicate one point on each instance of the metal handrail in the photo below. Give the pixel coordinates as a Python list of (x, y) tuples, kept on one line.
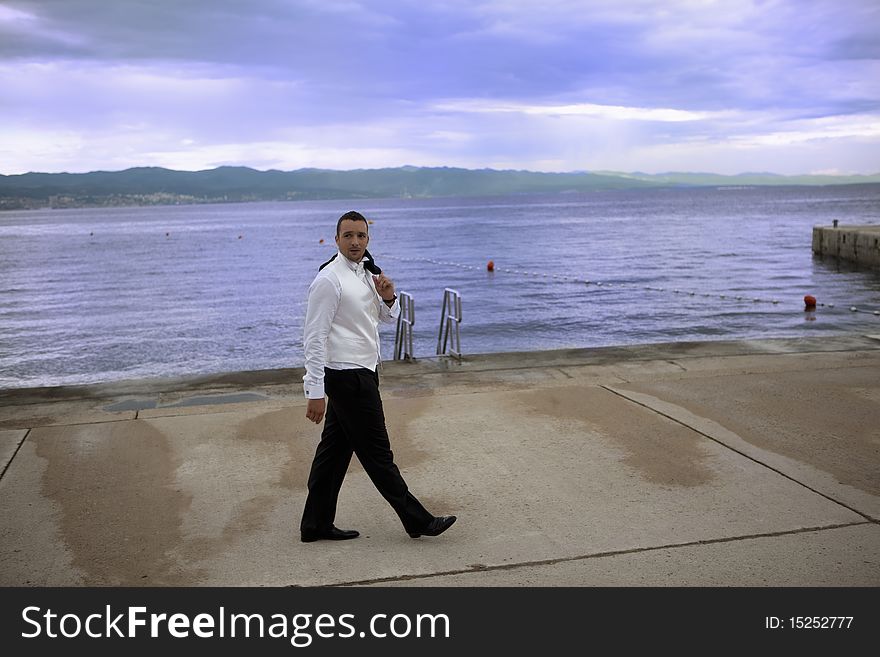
[(450, 322), (403, 339)]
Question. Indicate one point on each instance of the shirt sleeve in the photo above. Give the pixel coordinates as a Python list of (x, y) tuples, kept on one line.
[(389, 314), (323, 302)]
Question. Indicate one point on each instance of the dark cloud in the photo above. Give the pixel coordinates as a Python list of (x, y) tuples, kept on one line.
[(302, 72), (423, 50)]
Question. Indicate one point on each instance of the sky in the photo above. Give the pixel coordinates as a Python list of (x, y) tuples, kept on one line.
[(782, 86)]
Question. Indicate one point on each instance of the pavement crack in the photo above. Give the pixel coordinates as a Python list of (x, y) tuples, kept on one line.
[(740, 452), (80, 423), (482, 568), (17, 447)]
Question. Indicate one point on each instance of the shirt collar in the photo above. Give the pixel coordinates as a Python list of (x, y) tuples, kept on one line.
[(354, 266)]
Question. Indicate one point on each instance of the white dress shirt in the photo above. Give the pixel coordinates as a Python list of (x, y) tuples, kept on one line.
[(325, 293)]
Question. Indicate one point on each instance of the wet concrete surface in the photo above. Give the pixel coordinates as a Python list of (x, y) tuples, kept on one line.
[(751, 463)]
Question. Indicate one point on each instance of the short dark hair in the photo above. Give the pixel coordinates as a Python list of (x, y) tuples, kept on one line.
[(351, 215)]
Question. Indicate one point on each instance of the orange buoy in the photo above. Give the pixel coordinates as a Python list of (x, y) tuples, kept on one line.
[(810, 302), (490, 266), (321, 241)]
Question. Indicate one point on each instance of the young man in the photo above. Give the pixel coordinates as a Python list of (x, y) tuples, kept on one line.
[(347, 300)]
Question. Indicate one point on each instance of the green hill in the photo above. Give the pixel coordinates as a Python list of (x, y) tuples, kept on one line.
[(153, 185)]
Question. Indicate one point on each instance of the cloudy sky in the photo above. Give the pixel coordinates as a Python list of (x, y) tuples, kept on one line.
[(789, 86)]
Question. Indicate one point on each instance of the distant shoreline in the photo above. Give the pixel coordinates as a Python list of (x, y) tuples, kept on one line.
[(14, 204), (150, 186)]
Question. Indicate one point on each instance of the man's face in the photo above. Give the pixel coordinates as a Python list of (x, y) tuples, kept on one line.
[(352, 239)]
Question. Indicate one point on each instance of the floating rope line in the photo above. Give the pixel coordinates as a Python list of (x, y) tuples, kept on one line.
[(632, 286)]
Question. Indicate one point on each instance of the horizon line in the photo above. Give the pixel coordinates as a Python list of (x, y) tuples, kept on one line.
[(599, 172)]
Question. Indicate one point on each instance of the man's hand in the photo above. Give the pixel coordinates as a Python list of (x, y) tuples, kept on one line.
[(315, 410), (384, 286)]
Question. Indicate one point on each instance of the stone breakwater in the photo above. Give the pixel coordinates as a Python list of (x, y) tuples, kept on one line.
[(859, 244)]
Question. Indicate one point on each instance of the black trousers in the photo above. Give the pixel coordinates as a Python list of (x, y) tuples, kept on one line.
[(355, 423)]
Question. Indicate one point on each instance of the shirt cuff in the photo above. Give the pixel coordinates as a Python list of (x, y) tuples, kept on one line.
[(313, 390)]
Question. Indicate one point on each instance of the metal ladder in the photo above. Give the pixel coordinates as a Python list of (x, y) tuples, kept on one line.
[(449, 338), (403, 339)]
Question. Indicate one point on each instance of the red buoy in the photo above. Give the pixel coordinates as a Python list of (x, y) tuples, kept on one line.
[(320, 241), (810, 302), (490, 266)]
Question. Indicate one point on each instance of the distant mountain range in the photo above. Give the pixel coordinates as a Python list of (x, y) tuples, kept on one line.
[(153, 186)]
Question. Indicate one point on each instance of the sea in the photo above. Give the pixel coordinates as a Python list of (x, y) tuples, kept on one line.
[(103, 294)]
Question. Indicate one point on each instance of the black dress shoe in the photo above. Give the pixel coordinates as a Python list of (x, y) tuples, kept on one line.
[(436, 527), (332, 534)]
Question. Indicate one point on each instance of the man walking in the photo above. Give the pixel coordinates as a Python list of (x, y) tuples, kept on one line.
[(347, 300)]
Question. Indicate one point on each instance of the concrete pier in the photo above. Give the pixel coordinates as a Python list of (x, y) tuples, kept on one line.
[(859, 244), (750, 463)]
